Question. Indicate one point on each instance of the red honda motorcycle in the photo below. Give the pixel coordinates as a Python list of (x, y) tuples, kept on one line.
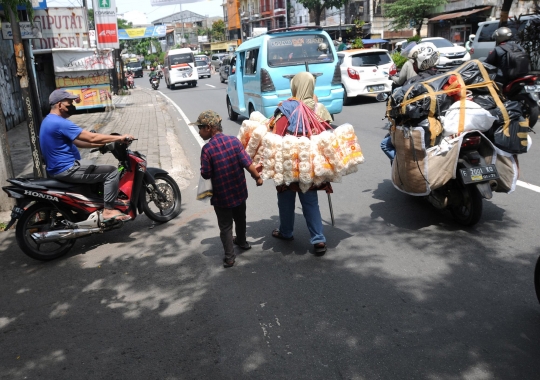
[(526, 91), (52, 214)]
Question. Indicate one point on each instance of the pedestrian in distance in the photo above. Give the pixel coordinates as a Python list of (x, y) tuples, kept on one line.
[(223, 160), (285, 118), (59, 139)]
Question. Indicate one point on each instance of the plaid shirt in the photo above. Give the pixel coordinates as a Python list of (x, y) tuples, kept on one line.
[(223, 160)]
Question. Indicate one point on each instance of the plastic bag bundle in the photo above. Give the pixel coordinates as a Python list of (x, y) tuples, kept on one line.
[(246, 130), (305, 175), (476, 118), (267, 156), (255, 140), (290, 159), (351, 154), (321, 168), (331, 150), (258, 117)]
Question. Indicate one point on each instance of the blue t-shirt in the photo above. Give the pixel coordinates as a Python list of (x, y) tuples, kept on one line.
[(56, 137)]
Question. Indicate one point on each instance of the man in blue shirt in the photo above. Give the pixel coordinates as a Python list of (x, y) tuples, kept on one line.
[(223, 160), (59, 139)]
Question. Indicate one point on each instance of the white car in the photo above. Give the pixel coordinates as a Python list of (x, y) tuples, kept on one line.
[(365, 72), (450, 54)]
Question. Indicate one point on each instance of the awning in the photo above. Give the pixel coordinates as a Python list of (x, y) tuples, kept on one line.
[(448, 16), (369, 42)]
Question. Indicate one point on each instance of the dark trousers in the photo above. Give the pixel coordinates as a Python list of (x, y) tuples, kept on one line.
[(225, 217), (86, 173)]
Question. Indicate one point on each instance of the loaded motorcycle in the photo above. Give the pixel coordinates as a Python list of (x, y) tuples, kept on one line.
[(52, 214), (461, 187)]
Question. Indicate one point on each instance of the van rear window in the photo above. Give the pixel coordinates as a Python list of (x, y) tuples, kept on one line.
[(299, 49), (180, 58)]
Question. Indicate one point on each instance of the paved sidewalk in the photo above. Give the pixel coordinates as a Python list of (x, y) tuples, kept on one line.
[(144, 114)]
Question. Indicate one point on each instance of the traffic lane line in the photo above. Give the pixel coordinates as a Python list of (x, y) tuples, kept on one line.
[(209, 85), (528, 186), (194, 132)]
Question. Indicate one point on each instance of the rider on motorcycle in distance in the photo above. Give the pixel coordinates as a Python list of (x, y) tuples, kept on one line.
[(152, 74), (420, 66), (497, 57)]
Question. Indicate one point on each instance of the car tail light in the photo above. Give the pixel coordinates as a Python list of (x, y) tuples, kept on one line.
[(471, 142), (336, 79), (471, 52), (353, 74), (393, 69), (267, 85)]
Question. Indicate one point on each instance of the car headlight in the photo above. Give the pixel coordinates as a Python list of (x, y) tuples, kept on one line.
[(442, 54)]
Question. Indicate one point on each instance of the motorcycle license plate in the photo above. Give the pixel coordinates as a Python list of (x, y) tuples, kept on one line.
[(375, 88), (478, 174)]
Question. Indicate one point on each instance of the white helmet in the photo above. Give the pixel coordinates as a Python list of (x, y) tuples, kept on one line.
[(426, 55)]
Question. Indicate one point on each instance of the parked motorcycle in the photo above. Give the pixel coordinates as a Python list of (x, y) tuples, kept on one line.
[(52, 214), (155, 82), (525, 90), (130, 82)]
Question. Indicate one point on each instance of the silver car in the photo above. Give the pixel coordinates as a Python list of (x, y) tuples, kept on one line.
[(203, 67)]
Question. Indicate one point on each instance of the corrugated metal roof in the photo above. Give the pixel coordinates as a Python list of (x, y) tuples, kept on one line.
[(448, 16)]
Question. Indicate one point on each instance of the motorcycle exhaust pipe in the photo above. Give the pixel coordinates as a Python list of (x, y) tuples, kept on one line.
[(46, 237)]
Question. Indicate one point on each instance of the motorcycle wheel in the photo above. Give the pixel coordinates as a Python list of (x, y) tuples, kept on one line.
[(537, 279), (469, 210), (529, 107), (163, 210), (42, 217)]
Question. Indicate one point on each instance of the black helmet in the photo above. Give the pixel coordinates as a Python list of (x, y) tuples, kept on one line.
[(502, 34)]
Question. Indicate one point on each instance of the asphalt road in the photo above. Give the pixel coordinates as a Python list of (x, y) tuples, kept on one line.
[(402, 293)]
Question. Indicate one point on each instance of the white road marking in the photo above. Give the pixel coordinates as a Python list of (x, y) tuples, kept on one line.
[(528, 186), (194, 132), (209, 85)]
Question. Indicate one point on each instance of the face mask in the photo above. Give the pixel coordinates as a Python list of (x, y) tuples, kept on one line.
[(71, 109)]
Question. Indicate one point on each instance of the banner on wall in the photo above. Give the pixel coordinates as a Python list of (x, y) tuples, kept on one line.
[(97, 96), (106, 24), (28, 31), (82, 60), (135, 33), (83, 78), (60, 28)]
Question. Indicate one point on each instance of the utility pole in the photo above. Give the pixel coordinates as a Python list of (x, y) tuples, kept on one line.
[(29, 106)]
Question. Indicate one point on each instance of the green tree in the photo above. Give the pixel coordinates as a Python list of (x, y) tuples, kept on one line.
[(124, 24), (317, 7), (405, 13), (218, 30), (13, 5)]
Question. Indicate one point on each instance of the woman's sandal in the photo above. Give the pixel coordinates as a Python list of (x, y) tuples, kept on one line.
[(320, 249), (277, 234)]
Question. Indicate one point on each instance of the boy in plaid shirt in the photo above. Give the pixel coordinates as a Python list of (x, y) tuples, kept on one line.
[(223, 160)]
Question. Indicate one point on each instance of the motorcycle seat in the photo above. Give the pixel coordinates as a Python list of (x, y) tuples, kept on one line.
[(41, 183)]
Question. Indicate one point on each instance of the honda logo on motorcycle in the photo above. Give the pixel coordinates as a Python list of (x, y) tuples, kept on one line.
[(39, 195)]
